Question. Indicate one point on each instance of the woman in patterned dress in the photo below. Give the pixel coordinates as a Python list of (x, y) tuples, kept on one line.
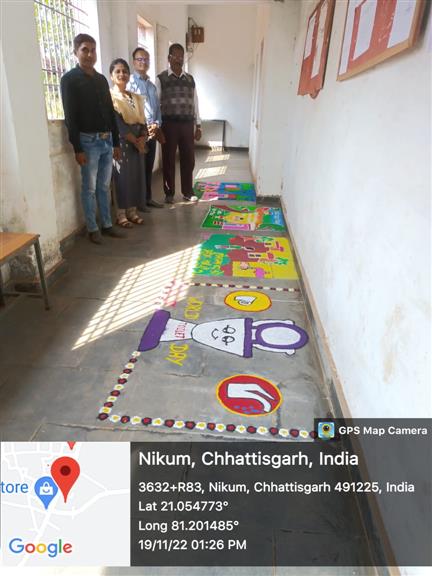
[(129, 173)]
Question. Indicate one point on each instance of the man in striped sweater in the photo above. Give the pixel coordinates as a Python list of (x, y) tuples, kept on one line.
[(181, 123)]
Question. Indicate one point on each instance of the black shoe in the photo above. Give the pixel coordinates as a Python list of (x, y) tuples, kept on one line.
[(95, 237), (190, 198), (169, 200), (144, 209), (113, 232), (154, 204)]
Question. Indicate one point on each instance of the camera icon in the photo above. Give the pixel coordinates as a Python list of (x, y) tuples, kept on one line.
[(326, 430)]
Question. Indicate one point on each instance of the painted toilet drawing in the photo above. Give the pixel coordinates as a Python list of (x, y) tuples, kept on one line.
[(237, 336)]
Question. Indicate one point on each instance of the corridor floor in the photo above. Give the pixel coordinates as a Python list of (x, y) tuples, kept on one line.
[(73, 372)]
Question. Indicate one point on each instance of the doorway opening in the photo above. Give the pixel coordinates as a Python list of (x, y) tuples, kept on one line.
[(146, 40)]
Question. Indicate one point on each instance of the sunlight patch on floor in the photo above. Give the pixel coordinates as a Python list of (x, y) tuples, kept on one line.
[(216, 145), (217, 158), (137, 292), (212, 171)]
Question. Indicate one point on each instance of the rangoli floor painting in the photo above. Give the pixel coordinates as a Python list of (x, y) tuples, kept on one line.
[(243, 192), (252, 257), (227, 361), (175, 332), (245, 219)]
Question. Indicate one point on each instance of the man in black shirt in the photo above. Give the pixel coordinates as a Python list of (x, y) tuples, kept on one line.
[(90, 120)]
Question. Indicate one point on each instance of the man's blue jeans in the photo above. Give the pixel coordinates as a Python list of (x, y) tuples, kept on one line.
[(96, 178)]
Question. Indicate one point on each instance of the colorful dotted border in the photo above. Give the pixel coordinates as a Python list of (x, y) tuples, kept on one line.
[(245, 286), (171, 290), (105, 413)]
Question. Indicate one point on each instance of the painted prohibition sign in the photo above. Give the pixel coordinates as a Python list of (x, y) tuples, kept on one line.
[(248, 395)]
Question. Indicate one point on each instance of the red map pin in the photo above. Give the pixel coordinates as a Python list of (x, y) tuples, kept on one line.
[(65, 472)]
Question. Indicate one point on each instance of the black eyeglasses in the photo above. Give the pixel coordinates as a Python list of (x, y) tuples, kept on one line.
[(142, 59)]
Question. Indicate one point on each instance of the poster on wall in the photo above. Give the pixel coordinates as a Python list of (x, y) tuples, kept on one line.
[(376, 30), (316, 49), (261, 257), (244, 218)]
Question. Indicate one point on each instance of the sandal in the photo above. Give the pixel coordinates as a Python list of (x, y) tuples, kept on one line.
[(124, 223), (136, 220)]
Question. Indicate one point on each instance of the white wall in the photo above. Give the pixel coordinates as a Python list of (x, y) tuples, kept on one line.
[(262, 25), (356, 186), (118, 32), (12, 204), (27, 195), (355, 174), (277, 28), (172, 18), (223, 66), (66, 178), (118, 28), (40, 180), (105, 36), (224, 83)]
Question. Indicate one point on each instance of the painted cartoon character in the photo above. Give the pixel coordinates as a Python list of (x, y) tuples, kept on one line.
[(234, 335), (241, 218), (236, 218)]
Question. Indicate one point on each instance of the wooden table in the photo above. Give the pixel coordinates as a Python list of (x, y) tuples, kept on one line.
[(223, 128), (11, 244)]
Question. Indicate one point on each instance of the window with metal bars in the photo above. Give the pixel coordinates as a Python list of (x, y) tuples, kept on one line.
[(58, 22)]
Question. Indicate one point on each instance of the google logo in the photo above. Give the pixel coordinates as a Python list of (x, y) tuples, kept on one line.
[(53, 549)]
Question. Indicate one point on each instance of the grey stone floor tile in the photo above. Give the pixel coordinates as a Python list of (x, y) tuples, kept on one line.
[(20, 428), (48, 432), (63, 395), (86, 285), (88, 333), (82, 311), (106, 266), (47, 343), (163, 435), (21, 344), (110, 351), (19, 310)]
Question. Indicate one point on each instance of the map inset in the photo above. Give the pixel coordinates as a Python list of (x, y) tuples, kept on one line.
[(62, 504)]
